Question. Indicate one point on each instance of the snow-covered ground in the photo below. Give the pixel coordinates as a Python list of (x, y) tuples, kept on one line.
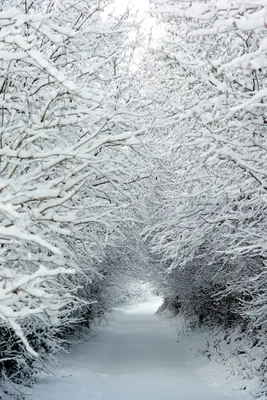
[(137, 356)]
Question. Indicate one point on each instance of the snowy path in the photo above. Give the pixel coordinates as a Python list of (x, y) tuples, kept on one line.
[(136, 357)]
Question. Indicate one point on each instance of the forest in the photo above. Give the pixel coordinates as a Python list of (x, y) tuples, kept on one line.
[(132, 147)]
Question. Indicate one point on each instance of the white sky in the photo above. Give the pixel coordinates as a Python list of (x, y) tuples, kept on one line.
[(141, 8), (139, 5)]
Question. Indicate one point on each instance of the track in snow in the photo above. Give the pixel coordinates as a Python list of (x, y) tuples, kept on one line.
[(136, 357)]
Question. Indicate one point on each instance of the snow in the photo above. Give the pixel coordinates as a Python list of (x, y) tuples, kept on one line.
[(14, 232), (137, 356)]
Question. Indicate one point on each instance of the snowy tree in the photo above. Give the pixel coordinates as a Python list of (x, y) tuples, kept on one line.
[(212, 59), (71, 113)]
